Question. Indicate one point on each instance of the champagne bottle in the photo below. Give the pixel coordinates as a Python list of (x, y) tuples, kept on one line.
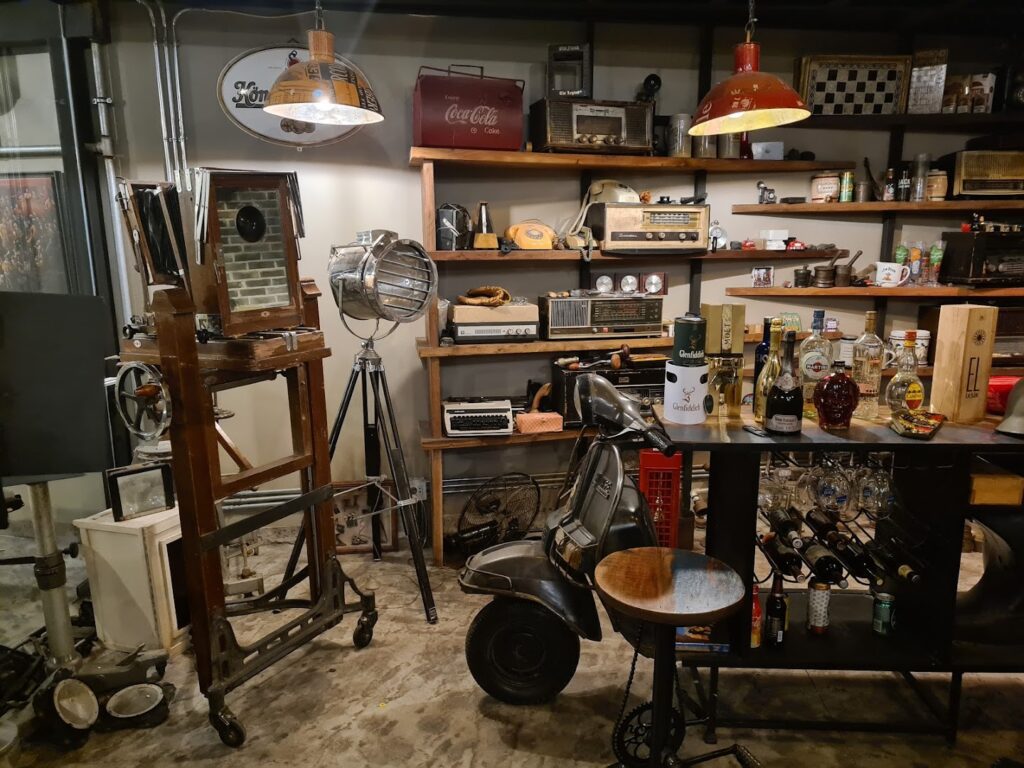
[(784, 408), (824, 565), (786, 527), (825, 529), (775, 610), (772, 369), (782, 558)]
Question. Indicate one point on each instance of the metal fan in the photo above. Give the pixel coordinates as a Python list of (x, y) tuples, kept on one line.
[(504, 507)]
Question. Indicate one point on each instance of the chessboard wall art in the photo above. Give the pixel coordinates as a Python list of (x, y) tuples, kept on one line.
[(854, 85)]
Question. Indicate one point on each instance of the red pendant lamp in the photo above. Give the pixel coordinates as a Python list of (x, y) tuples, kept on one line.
[(749, 99)]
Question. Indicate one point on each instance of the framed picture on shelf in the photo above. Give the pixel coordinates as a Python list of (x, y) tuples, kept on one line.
[(762, 277), (352, 528), (33, 249)]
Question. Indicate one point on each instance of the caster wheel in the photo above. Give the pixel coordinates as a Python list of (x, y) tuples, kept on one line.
[(231, 732), (362, 635)]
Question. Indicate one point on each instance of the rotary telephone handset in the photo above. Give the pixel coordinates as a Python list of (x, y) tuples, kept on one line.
[(602, 191)]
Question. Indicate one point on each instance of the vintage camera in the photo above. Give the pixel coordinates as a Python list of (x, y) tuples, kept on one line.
[(579, 125), (765, 194)]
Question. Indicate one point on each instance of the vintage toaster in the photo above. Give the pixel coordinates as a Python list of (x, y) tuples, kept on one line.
[(635, 228), (582, 125), (983, 258), (644, 383), (601, 316)]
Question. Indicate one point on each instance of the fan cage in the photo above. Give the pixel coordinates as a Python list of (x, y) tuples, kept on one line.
[(660, 483), (404, 281)]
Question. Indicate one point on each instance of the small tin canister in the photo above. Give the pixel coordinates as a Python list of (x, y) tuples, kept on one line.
[(862, 192), (846, 187), (883, 618), (819, 598), (679, 140), (802, 277), (689, 337), (825, 187)]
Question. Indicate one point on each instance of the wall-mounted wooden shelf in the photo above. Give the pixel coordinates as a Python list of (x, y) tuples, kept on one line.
[(562, 256), (839, 210), (557, 160), (942, 291), (938, 123)]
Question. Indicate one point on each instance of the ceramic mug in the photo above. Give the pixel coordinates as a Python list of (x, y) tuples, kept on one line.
[(889, 274)]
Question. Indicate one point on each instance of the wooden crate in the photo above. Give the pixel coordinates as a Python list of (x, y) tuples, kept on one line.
[(994, 485), (963, 361)]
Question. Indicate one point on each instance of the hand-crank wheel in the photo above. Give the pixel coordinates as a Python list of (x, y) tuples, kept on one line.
[(631, 740), (142, 400)]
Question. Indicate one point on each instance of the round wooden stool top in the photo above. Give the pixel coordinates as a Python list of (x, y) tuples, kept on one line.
[(668, 586)]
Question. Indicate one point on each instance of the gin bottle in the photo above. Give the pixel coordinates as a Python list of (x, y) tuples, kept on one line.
[(815, 360), (868, 351), (905, 391), (770, 372)]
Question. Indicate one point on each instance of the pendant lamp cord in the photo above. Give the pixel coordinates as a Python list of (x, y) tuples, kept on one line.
[(748, 28), (319, 10)]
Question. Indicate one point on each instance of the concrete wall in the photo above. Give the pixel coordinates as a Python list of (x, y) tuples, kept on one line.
[(365, 182)]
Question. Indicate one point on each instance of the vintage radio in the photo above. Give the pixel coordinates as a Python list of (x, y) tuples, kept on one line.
[(469, 417), (579, 125), (643, 383), (467, 110), (601, 316), (983, 258), (637, 228), (988, 173), (484, 325)]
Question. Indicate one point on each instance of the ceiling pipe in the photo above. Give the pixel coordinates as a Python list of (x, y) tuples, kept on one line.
[(157, 37)]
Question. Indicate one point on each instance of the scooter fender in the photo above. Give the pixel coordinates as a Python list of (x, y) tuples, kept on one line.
[(521, 569)]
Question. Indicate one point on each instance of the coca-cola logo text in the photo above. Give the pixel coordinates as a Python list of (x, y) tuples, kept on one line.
[(480, 115)]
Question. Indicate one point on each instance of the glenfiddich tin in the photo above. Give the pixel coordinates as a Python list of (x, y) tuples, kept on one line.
[(690, 334)]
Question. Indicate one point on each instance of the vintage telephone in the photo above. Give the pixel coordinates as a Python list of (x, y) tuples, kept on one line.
[(601, 191), (531, 235)]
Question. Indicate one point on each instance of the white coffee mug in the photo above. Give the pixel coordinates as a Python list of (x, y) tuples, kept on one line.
[(889, 274)]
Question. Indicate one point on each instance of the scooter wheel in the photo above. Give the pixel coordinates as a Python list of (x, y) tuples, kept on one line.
[(520, 652)]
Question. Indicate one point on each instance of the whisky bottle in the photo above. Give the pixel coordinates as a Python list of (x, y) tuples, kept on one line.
[(782, 558), (786, 526), (905, 392), (815, 360), (775, 610), (772, 368), (868, 352), (825, 566), (784, 408)]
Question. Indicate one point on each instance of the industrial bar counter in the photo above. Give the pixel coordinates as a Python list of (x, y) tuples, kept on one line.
[(932, 482)]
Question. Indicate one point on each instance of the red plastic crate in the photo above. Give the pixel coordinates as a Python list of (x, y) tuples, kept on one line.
[(661, 484)]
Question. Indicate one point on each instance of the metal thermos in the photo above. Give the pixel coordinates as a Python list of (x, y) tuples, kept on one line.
[(689, 335)]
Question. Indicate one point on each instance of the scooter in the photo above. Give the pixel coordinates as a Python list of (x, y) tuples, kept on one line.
[(523, 647)]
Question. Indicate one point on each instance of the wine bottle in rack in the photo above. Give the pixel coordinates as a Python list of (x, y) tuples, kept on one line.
[(825, 529), (824, 565), (860, 563), (896, 561), (785, 526), (782, 558)]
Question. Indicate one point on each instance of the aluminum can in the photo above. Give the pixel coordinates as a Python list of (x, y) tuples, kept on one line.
[(819, 598), (690, 333), (846, 187), (884, 614)]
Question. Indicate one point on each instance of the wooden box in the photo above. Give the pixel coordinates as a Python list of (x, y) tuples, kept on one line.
[(963, 361), (726, 328), (992, 485)]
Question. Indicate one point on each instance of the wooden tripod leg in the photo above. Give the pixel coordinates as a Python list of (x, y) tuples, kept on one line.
[(193, 463)]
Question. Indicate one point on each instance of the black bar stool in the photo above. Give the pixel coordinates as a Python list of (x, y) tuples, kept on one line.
[(670, 588)]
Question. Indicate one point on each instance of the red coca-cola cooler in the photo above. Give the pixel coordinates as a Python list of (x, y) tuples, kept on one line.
[(467, 110)]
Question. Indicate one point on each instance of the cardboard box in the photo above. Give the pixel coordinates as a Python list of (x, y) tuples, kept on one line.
[(726, 327), (963, 361), (992, 485)]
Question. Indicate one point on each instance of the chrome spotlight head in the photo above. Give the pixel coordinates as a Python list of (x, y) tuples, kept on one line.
[(381, 277)]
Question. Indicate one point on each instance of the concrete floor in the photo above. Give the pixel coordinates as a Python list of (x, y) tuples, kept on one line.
[(408, 700)]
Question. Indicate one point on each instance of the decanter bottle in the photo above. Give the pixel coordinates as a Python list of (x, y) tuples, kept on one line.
[(868, 352), (835, 397), (905, 391)]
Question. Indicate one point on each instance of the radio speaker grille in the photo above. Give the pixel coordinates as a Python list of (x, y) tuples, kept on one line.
[(569, 313)]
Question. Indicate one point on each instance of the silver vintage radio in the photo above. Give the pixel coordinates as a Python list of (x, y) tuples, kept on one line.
[(988, 173), (581, 125), (636, 228), (601, 316)]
